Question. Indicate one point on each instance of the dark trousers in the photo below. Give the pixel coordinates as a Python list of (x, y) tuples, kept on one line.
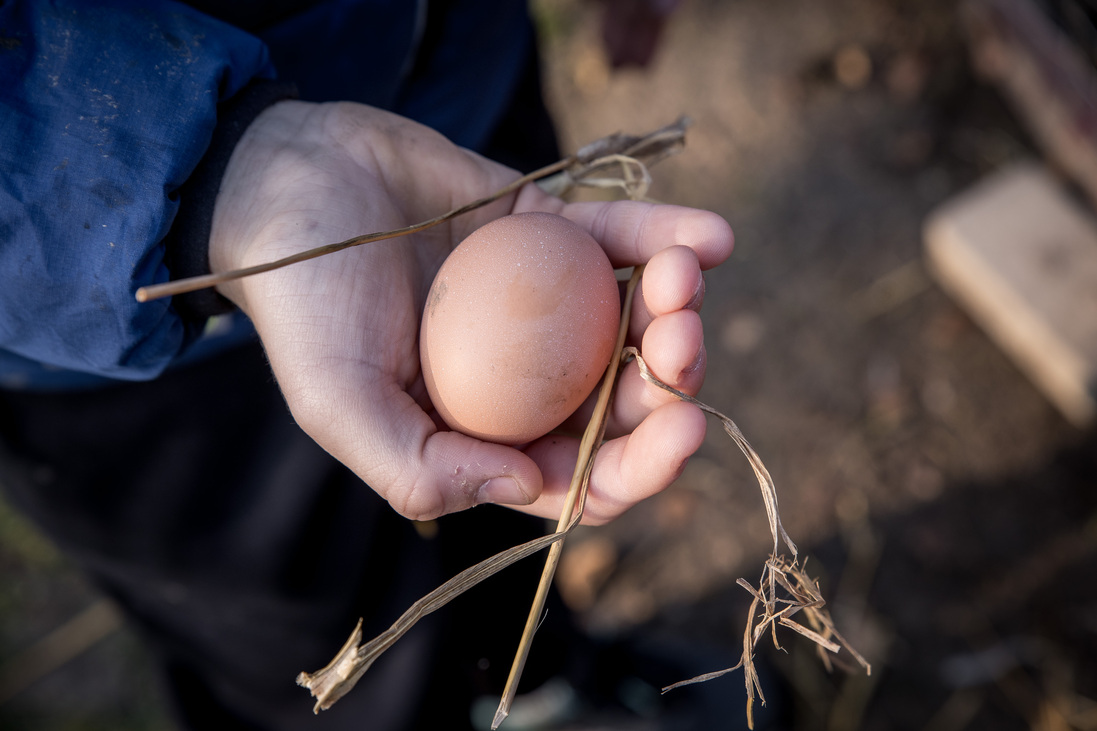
[(245, 554)]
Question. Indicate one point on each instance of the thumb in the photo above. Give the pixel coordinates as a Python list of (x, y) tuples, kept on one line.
[(456, 472), (424, 473)]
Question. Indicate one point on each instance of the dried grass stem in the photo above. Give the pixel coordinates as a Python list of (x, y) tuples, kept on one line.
[(784, 589), (577, 490), (587, 167)]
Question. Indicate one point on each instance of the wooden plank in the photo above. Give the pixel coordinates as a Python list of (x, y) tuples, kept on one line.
[(1021, 256)]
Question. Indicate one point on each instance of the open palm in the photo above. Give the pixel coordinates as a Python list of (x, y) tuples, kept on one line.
[(341, 331)]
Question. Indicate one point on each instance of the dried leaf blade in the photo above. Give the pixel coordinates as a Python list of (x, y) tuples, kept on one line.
[(338, 677)]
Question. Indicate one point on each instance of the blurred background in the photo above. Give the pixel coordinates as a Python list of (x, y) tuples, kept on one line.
[(948, 509)]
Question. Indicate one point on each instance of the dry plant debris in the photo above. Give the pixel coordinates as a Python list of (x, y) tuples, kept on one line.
[(589, 167), (784, 588), (615, 162), (573, 503), (340, 675), (770, 608)]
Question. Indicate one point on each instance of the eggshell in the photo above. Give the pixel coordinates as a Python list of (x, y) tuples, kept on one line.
[(518, 328)]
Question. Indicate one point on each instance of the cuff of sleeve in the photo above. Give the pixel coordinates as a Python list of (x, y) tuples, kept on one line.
[(187, 243)]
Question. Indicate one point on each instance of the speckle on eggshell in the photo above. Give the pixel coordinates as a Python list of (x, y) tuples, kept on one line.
[(519, 326)]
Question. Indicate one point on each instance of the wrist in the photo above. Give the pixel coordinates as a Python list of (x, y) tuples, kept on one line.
[(255, 196), (187, 244)]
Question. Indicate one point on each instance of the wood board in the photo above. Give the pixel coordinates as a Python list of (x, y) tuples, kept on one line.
[(1020, 255)]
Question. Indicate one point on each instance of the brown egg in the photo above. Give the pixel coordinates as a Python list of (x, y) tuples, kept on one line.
[(518, 327)]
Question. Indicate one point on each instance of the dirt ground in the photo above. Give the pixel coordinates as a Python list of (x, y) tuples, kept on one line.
[(948, 510), (946, 507)]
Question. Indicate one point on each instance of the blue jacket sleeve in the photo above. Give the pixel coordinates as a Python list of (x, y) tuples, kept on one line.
[(106, 108)]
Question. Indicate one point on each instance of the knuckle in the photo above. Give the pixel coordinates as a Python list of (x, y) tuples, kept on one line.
[(417, 503)]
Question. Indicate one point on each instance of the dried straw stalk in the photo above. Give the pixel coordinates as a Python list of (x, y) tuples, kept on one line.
[(339, 676), (589, 167), (616, 161), (800, 592), (592, 166), (784, 589), (577, 491)]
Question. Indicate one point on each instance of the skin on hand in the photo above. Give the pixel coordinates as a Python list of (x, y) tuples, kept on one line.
[(341, 331)]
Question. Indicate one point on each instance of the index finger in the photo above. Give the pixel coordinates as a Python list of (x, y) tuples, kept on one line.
[(631, 232)]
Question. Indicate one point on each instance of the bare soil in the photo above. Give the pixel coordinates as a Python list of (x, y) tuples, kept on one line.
[(948, 510)]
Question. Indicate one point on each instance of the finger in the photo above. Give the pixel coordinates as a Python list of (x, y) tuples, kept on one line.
[(455, 472), (392, 444), (674, 350), (631, 232), (672, 281), (626, 470), (646, 462), (673, 347)]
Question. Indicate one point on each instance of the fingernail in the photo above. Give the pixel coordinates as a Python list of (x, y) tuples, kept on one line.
[(502, 491), (697, 364), (698, 296)]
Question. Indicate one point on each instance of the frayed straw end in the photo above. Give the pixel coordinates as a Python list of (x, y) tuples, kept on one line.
[(337, 677)]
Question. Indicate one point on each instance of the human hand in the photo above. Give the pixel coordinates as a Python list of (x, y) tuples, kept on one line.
[(341, 331)]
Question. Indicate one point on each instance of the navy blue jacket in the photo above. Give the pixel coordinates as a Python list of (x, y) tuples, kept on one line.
[(108, 110)]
